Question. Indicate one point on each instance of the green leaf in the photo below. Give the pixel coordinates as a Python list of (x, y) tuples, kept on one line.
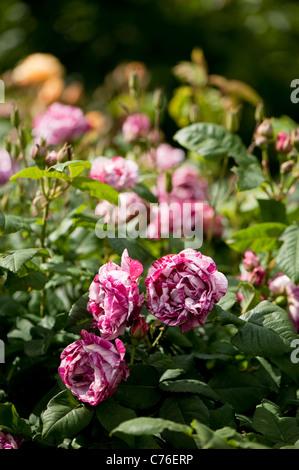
[(65, 416), (15, 223), (13, 261), (242, 389), (11, 422), (36, 173), (96, 188), (268, 331), (288, 255), (259, 237), (188, 386), (142, 191), (79, 318), (183, 409), (210, 140), (111, 414), (76, 167), (249, 176), (250, 296), (141, 390), (150, 427), (208, 438), (272, 211), (223, 416), (268, 421)]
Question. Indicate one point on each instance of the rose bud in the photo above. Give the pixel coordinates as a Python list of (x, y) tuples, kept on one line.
[(286, 167), (139, 329), (283, 143), (265, 129)]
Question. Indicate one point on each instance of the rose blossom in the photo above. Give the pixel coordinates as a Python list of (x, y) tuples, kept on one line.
[(136, 126), (118, 172), (168, 157), (92, 368), (282, 285), (60, 123), (114, 299), (7, 441), (182, 288), (7, 166)]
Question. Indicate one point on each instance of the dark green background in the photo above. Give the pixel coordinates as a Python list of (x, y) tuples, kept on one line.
[(251, 40)]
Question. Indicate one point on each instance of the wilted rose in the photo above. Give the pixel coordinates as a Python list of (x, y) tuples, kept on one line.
[(118, 172), (183, 288), (92, 368), (59, 124), (114, 299)]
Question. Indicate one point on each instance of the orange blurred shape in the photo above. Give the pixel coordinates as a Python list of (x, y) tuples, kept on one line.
[(36, 69), (72, 93), (51, 90), (98, 121)]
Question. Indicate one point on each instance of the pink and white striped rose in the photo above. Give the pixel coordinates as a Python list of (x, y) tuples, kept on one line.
[(114, 298), (183, 288), (92, 367), (7, 441)]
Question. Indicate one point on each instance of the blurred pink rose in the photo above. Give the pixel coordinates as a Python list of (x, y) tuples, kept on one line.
[(7, 441), (282, 285), (168, 157), (120, 214), (283, 143), (118, 172), (60, 123), (7, 166), (212, 222), (177, 218), (114, 299), (135, 127), (182, 288), (92, 368), (187, 183)]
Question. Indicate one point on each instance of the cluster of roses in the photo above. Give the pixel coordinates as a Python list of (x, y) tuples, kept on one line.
[(187, 186), (181, 290), (282, 291)]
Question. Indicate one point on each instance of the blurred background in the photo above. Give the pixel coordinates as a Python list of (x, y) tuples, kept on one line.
[(255, 41)]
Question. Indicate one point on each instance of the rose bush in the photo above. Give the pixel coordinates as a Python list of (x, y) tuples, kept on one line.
[(118, 328)]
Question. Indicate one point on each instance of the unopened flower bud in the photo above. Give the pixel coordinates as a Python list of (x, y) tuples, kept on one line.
[(15, 118), (295, 138), (260, 141), (7, 144), (51, 159), (64, 154), (194, 113), (134, 84), (265, 129), (158, 98), (139, 329), (232, 120), (39, 152), (281, 301), (23, 138), (286, 167), (259, 112), (283, 143)]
